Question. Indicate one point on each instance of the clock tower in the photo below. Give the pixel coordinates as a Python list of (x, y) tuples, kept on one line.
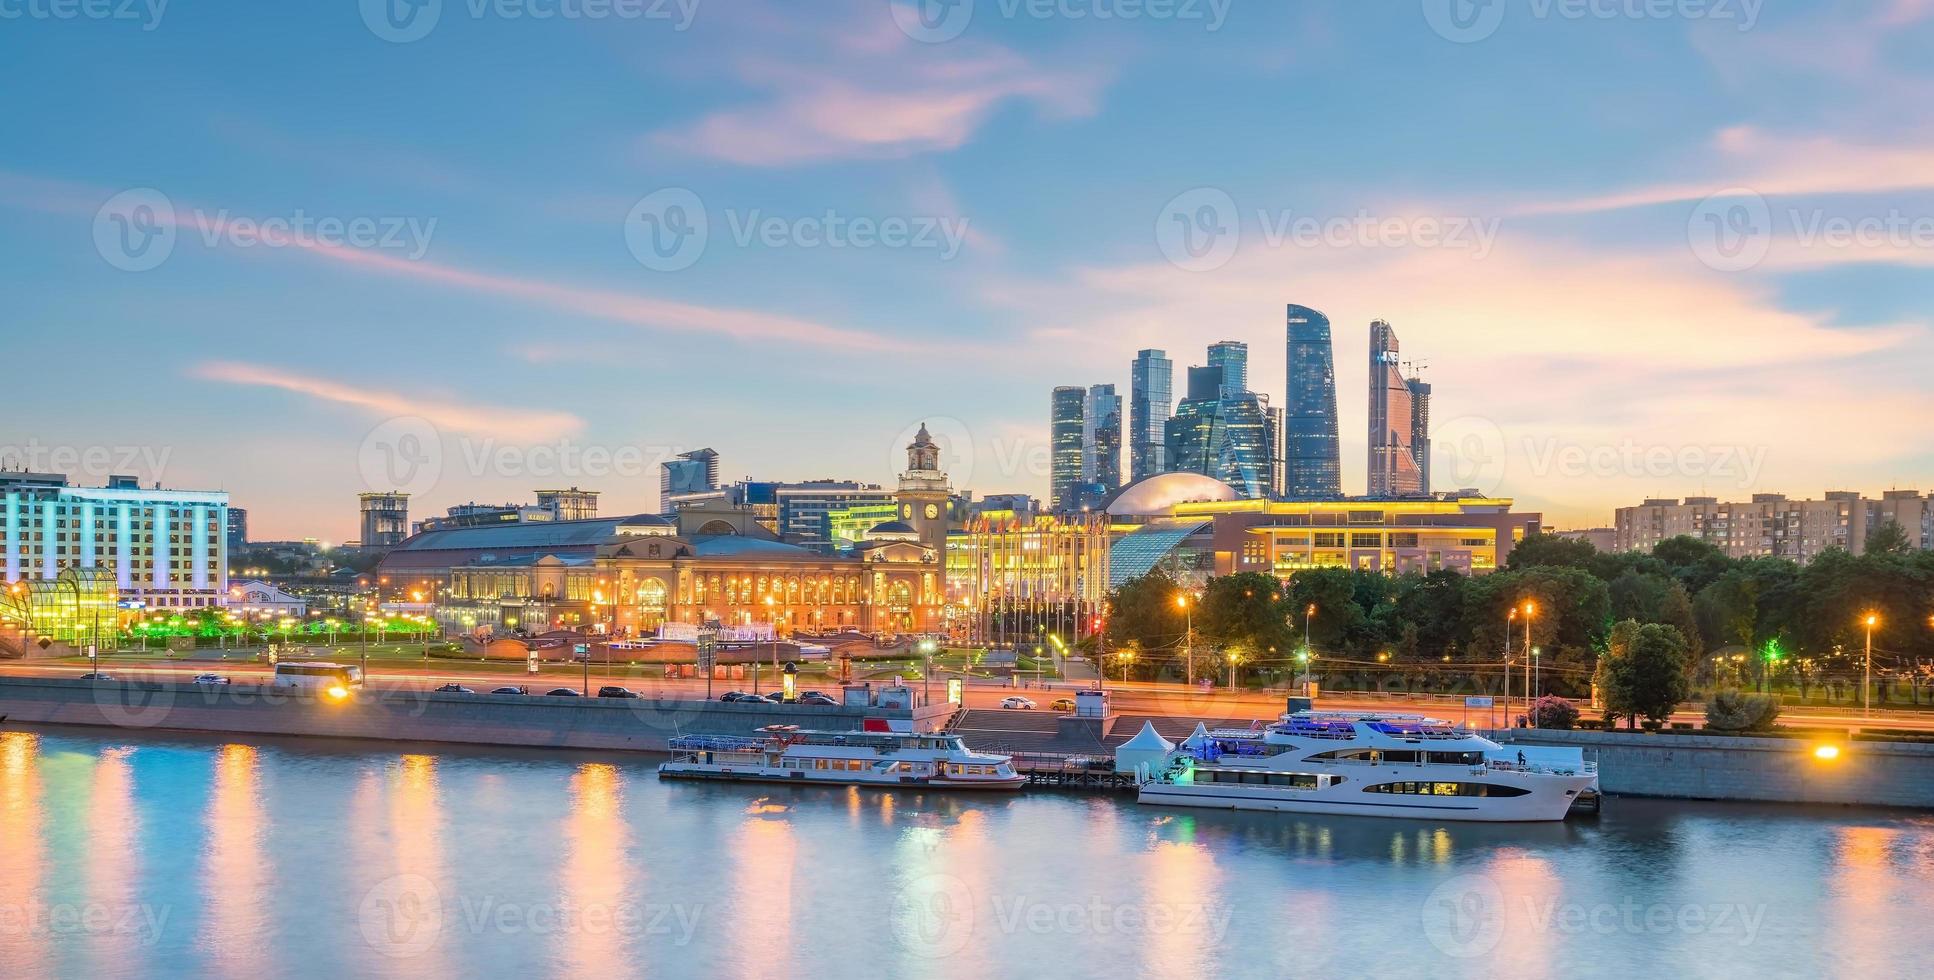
[(924, 493)]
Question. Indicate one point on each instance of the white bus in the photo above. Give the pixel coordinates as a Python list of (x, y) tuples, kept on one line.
[(334, 680)]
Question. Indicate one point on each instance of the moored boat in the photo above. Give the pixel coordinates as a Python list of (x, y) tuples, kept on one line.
[(789, 754), (1367, 764)]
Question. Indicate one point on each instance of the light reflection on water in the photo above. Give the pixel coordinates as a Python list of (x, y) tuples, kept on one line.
[(314, 859)]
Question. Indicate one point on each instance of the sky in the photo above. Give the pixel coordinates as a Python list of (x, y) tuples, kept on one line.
[(474, 248)]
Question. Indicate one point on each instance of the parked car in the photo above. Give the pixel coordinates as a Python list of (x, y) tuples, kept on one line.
[(562, 692), (210, 679), (454, 689), (95, 675), (1062, 704), (1017, 703), (803, 695), (819, 700), (614, 691), (755, 699), (731, 696), (510, 690)]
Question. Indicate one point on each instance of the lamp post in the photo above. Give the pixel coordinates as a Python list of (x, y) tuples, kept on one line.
[(1867, 684), (1530, 610), (1126, 656), (1188, 637), (1509, 619)]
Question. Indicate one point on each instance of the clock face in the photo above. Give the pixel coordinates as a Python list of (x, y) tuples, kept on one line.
[(907, 511), (933, 511)]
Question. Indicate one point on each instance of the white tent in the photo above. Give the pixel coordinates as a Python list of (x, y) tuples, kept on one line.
[(1198, 737), (1148, 748)]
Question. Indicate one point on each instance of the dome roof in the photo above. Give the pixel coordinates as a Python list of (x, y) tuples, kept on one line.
[(1157, 495), (892, 527)]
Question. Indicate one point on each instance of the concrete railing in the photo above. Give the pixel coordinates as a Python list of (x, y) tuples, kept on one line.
[(414, 716), (1783, 770)]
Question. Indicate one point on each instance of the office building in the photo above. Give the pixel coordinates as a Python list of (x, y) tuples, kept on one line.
[(1067, 420), (1151, 396), (1101, 439), (1232, 356), (385, 519), (1420, 429), (152, 548), (1393, 460), (1223, 434), (237, 528), (688, 475), (569, 505), (801, 509), (1312, 456)]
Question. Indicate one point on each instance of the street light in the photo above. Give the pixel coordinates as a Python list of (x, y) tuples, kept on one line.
[(1188, 637), (1126, 656), (1867, 684), (1530, 611)]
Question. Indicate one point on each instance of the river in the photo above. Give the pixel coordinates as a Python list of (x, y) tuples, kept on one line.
[(175, 856)]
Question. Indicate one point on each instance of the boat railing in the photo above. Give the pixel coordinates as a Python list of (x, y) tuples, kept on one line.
[(1584, 768), (719, 743)]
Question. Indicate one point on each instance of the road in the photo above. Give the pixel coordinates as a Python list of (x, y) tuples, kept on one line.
[(1144, 698)]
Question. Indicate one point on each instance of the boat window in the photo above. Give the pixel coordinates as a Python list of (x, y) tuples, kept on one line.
[(1426, 788)]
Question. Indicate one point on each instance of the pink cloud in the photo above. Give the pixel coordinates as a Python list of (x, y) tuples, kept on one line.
[(515, 424)]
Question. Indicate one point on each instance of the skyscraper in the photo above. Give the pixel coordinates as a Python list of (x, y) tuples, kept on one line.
[(1101, 439), (1222, 434), (1232, 356), (1151, 396), (1067, 421), (696, 472), (1420, 428), (1393, 458), (1312, 460), (385, 519)]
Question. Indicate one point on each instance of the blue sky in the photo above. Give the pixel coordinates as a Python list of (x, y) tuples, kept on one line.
[(1644, 249)]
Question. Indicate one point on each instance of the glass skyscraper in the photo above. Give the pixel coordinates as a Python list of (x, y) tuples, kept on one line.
[(1101, 440), (1223, 434), (1151, 395), (1420, 428), (1312, 458), (1393, 456), (1066, 425), (1232, 356)]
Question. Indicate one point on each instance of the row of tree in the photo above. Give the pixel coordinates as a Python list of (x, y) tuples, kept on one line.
[(1740, 622)]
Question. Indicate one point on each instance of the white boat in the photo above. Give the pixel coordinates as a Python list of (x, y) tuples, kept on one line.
[(1366, 764), (788, 754)]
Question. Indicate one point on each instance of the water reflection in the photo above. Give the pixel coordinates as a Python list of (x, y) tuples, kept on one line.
[(22, 864), (236, 868), (113, 835), (764, 854), (595, 877)]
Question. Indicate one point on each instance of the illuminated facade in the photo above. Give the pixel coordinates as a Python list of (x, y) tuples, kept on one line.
[(70, 607), (1151, 396), (1312, 463), (1395, 467), (1009, 576), (1470, 535), (385, 519), (1066, 423), (163, 549)]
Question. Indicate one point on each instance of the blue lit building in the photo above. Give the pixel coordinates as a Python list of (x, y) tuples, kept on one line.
[(1151, 397), (1312, 457)]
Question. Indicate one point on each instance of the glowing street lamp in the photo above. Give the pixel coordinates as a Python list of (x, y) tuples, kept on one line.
[(1188, 636), (1867, 685), (1126, 656)]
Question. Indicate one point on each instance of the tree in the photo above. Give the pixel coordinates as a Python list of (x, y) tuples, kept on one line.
[(1643, 672), (1550, 549), (1552, 711), (1692, 561), (1246, 613), (1731, 711), (1888, 538), (1142, 612)]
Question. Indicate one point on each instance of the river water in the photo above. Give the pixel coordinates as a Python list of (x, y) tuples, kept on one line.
[(183, 856)]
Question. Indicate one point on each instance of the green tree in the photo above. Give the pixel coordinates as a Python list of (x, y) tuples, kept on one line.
[(1143, 612), (1550, 549), (1246, 613), (1643, 672), (1888, 538)]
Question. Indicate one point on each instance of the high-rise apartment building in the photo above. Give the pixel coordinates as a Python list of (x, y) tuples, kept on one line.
[(1151, 397), (163, 549), (1312, 458), (1101, 439), (1393, 459), (1771, 525), (1067, 420)]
